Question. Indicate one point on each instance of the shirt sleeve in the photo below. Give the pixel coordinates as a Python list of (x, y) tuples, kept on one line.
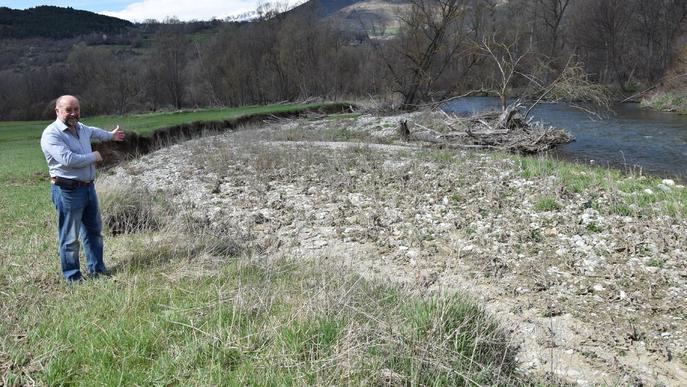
[(100, 134), (52, 144)]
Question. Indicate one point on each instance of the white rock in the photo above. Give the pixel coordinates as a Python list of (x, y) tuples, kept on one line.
[(590, 263), (579, 242), (521, 290), (663, 188), (648, 191), (355, 199), (598, 288), (591, 212), (320, 243), (412, 254), (668, 182), (589, 215)]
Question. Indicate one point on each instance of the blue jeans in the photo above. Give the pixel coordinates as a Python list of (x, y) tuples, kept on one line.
[(77, 211)]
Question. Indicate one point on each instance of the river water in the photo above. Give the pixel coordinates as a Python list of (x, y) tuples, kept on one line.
[(629, 137)]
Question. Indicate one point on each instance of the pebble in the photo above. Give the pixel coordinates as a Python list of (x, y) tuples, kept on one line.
[(412, 254), (521, 290), (551, 231)]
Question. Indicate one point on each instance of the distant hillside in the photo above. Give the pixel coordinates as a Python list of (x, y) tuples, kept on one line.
[(55, 22), (359, 14), (324, 7), (382, 14)]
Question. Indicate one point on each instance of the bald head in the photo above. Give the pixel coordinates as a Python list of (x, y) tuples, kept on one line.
[(65, 99), (68, 110)]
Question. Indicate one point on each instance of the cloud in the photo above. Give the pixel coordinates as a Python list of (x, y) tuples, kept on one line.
[(184, 10)]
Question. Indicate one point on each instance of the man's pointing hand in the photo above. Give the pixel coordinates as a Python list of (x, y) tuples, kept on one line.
[(117, 134)]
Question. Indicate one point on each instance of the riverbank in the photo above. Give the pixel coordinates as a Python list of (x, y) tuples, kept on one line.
[(323, 250), (632, 139), (664, 101), (586, 266), (187, 305)]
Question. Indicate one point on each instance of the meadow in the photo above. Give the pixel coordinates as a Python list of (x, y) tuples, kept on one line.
[(248, 322)]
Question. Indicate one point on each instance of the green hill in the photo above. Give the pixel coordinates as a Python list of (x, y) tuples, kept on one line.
[(55, 23)]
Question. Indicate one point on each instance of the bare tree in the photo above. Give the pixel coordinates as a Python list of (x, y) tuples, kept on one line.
[(507, 62), (170, 47), (550, 13), (107, 83), (431, 36), (602, 33), (657, 25), (572, 86)]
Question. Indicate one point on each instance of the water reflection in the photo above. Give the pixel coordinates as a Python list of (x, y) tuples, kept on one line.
[(629, 137)]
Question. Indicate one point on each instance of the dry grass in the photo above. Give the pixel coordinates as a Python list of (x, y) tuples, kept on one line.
[(426, 217), (190, 305)]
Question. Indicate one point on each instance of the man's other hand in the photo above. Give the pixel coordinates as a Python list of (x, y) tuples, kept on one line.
[(98, 157), (117, 134)]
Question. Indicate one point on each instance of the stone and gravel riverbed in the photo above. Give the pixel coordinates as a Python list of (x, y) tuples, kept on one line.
[(593, 294)]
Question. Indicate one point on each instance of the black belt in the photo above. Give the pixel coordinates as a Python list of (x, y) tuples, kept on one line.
[(69, 183)]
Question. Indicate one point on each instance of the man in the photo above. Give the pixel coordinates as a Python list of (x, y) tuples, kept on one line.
[(66, 144)]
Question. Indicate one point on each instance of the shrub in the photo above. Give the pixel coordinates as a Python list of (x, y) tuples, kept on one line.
[(131, 209), (546, 204)]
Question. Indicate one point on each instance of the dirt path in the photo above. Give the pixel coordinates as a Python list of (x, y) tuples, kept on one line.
[(593, 298)]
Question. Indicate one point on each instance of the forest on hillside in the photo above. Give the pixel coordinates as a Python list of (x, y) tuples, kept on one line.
[(443, 48), (55, 23)]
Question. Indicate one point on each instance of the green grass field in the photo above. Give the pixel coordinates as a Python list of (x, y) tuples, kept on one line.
[(245, 323), (20, 154)]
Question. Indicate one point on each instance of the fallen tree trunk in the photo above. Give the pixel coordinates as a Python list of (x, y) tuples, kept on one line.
[(507, 130)]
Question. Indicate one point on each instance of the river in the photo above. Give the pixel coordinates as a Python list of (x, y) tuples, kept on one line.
[(629, 137)]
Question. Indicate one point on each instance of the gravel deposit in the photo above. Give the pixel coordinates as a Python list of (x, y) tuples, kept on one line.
[(592, 297)]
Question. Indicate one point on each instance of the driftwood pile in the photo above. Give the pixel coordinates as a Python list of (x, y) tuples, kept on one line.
[(507, 130)]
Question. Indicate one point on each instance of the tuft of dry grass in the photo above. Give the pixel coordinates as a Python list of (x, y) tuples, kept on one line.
[(132, 209)]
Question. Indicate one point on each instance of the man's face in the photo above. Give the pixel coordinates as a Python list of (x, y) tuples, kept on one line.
[(68, 111)]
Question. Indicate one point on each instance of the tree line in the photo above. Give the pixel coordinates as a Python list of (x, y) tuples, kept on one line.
[(442, 48)]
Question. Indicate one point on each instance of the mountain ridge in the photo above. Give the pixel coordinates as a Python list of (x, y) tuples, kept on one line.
[(49, 22)]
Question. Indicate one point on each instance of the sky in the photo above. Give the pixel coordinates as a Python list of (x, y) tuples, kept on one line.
[(140, 10)]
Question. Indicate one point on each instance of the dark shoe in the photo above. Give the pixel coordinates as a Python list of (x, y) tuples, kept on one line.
[(100, 274), (75, 280)]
